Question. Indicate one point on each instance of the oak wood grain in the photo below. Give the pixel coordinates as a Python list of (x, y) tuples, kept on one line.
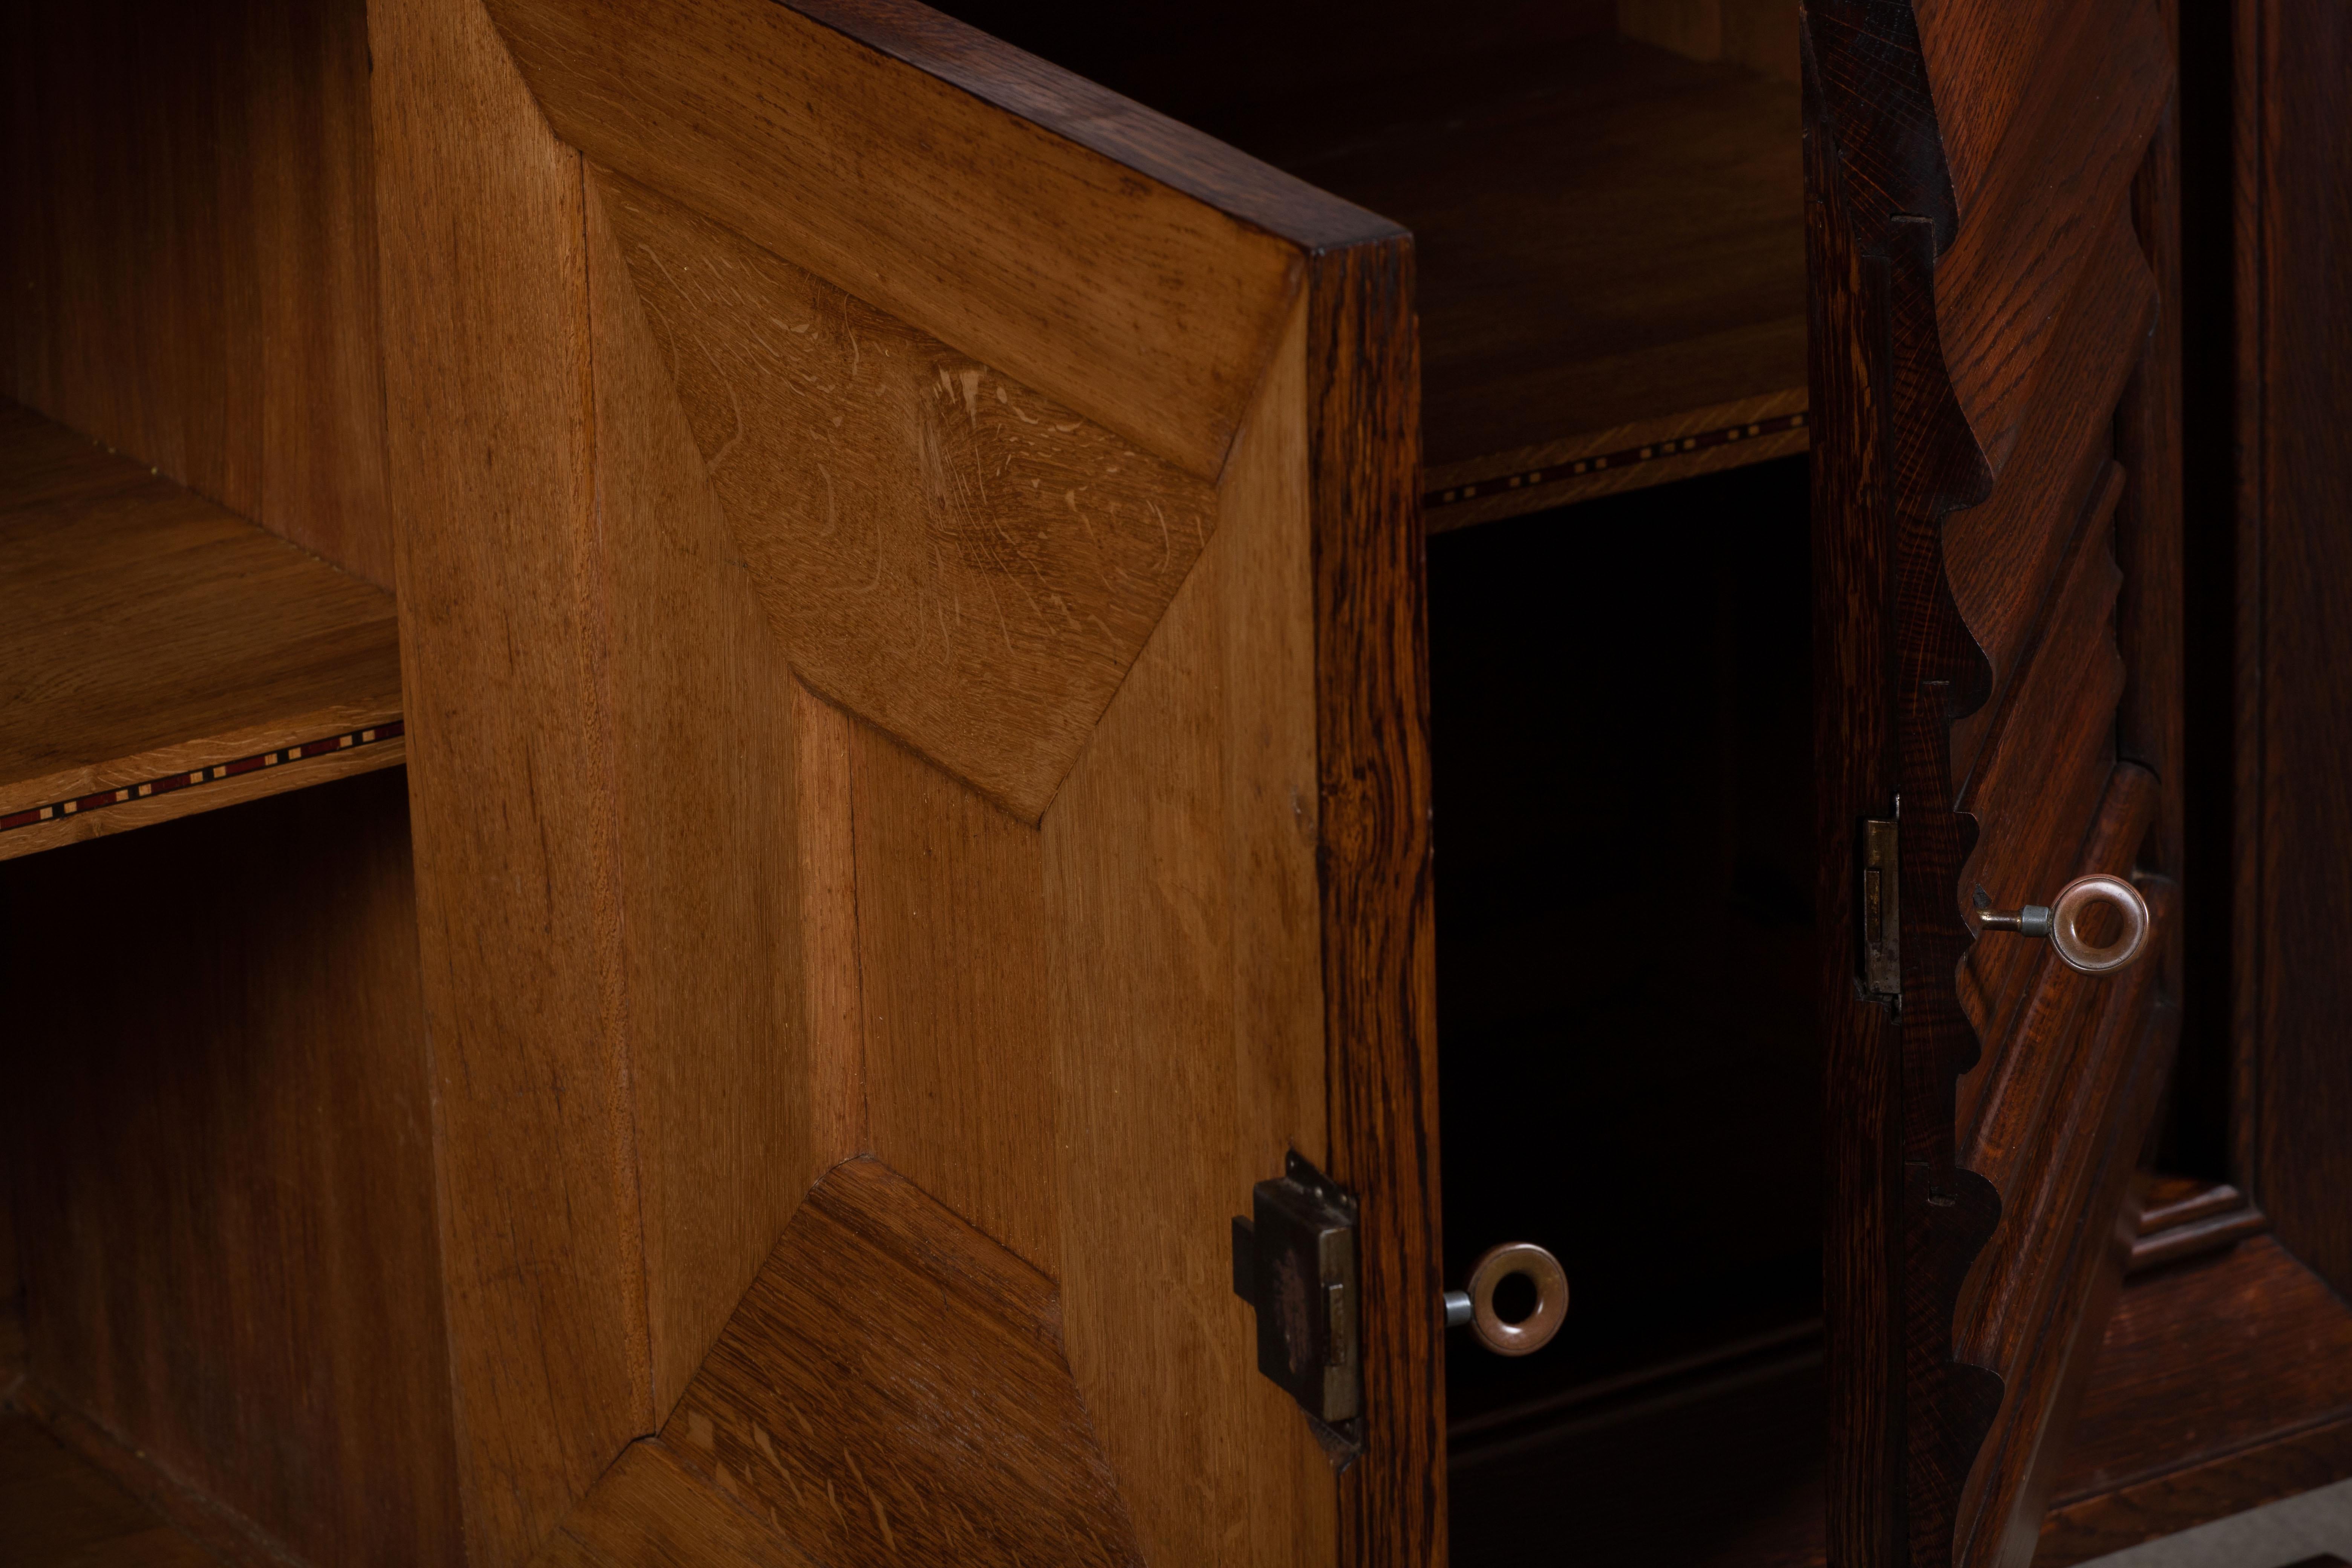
[(219, 1137), (512, 776), (2002, 1102), (965, 564), (894, 1384), (2038, 785), (953, 951), (2036, 215), (744, 1081), (189, 257), (2042, 1293), (149, 636), (1180, 876), (1163, 261), (2008, 554), (651, 1511)]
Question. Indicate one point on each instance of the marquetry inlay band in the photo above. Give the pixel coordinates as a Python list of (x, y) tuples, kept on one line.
[(1579, 468), (196, 777)]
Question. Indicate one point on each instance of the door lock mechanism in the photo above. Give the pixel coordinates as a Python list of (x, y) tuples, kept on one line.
[(1295, 1262)]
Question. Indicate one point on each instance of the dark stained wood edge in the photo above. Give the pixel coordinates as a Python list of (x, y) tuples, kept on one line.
[(2249, 188), (194, 1513), (1371, 677), (2206, 1218), (2283, 1465), (2148, 612), (2294, 323), (1094, 117), (1895, 666)]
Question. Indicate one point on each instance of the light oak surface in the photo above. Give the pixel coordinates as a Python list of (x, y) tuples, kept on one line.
[(163, 657)]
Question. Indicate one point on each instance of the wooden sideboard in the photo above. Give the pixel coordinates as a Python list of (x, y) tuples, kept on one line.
[(805, 686)]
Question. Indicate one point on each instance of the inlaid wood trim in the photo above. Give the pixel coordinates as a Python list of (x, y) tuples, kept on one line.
[(1562, 473), (167, 783)]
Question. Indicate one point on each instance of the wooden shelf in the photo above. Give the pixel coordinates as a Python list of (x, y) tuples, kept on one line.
[(56, 1507), (159, 655), (1610, 252)]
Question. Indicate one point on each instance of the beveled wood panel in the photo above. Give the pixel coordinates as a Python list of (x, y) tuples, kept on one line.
[(2222, 1383), (649, 1511), (163, 657), (958, 559), (220, 1145), (189, 253), (893, 1385), (731, 816), (1123, 265), (951, 946)]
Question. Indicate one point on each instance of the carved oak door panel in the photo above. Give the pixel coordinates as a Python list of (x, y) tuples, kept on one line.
[(1990, 199), (909, 581)]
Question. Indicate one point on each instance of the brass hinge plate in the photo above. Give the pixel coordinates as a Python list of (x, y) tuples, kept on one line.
[(1882, 912)]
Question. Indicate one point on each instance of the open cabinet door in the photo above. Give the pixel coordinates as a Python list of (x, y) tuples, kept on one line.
[(909, 581), (1990, 201)]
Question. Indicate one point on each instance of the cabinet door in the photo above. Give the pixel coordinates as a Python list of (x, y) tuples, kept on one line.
[(908, 591), (1991, 200)]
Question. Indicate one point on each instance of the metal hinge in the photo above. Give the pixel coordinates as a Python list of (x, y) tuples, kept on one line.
[(1295, 1262), (1882, 912)]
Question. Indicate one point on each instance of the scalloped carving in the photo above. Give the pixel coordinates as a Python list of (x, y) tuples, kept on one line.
[(1886, 212)]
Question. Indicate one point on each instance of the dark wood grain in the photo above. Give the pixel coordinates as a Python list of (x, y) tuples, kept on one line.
[(2151, 525), (2222, 1383), (220, 1142), (1904, 1219), (2039, 781), (188, 254), (57, 1511), (1608, 254), (1371, 684), (2057, 184), (2296, 314)]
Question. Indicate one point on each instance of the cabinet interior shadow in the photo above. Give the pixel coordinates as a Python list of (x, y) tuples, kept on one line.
[(1622, 735)]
